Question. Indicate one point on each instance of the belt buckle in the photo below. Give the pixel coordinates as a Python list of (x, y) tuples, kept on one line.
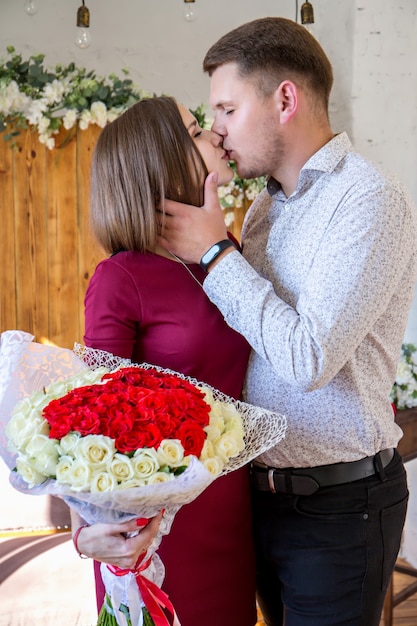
[(291, 483), (271, 482)]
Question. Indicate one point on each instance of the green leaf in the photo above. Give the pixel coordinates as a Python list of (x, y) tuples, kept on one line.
[(180, 470)]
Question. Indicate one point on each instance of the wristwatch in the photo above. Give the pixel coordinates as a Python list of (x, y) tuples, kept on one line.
[(213, 252)]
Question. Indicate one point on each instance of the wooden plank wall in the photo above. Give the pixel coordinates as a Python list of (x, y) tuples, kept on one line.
[(48, 254)]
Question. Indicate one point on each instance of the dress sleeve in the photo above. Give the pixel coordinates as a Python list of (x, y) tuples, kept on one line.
[(112, 310)]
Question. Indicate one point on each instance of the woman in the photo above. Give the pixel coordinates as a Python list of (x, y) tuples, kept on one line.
[(145, 304)]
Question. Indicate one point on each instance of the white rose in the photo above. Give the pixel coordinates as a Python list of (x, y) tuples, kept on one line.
[(87, 377), (207, 451), (233, 423), (44, 452), (171, 452), (68, 444), (59, 388), (28, 472), (208, 395), (214, 465), (134, 482), (38, 400), (228, 446), (121, 468), (160, 477), (216, 416), (23, 426), (79, 475), (213, 433), (145, 463), (63, 469), (96, 450), (103, 481)]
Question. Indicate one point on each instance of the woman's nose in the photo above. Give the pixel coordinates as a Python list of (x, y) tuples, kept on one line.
[(216, 138)]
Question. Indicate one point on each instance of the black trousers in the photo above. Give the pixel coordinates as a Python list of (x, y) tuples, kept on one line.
[(326, 559)]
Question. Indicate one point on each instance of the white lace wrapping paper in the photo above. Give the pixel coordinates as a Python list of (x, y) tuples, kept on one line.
[(26, 366)]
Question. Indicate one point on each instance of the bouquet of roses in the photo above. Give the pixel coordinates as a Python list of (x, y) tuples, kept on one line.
[(115, 441)]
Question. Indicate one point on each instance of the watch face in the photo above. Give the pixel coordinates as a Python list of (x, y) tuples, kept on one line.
[(213, 252)]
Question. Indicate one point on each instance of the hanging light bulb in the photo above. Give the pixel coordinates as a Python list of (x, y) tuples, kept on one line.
[(83, 38), (189, 10), (307, 13), (30, 7)]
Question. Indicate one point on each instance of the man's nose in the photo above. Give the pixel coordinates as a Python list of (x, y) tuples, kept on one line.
[(218, 128)]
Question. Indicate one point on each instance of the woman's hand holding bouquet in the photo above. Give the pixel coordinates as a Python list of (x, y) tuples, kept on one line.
[(118, 442)]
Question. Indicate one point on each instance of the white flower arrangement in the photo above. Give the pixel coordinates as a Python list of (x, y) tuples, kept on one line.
[(404, 390), (32, 95), (47, 99)]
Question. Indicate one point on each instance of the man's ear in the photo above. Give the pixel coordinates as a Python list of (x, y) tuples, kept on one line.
[(287, 100)]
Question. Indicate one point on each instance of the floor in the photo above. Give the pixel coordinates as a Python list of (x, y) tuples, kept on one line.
[(44, 582)]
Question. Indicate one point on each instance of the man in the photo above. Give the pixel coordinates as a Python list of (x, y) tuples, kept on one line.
[(322, 293)]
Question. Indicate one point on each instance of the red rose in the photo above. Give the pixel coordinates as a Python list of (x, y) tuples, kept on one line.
[(60, 428), (139, 438), (86, 422), (136, 407), (118, 423), (192, 437)]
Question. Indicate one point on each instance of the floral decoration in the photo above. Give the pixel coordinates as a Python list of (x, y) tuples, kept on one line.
[(404, 390), (99, 431), (240, 192), (32, 95), (65, 96)]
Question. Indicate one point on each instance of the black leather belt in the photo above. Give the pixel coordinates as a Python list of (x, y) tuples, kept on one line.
[(307, 480)]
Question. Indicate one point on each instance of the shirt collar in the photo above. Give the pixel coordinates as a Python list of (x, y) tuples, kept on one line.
[(324, 160)]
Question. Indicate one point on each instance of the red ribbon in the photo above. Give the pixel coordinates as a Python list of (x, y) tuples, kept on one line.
[(154, 598)]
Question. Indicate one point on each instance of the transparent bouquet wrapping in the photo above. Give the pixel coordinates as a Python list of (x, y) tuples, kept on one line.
[(26, 367)]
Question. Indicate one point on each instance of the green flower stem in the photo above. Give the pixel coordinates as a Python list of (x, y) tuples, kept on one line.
[(108, 619), (147, 619)]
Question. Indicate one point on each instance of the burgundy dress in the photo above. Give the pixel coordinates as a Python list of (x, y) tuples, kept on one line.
[(150, 309)]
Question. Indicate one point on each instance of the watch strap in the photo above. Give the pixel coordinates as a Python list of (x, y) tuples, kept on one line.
[(213, 252)]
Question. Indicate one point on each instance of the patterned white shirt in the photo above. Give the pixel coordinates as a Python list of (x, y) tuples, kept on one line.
[(322, 294)]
